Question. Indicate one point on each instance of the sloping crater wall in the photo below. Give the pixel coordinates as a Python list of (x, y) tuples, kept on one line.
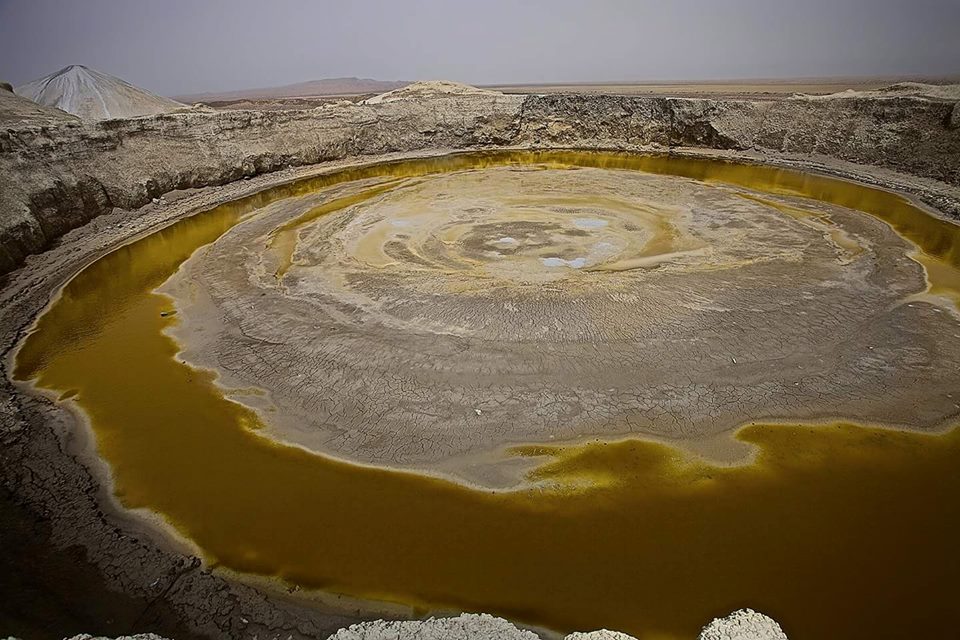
[(56, 177)]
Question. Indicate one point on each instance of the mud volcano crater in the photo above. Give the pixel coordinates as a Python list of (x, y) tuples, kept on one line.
[(630, 389), (450, 381)]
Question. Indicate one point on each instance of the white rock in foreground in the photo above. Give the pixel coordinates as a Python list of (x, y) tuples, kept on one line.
[(468, 626), (744, 624), (602, 634), (139, 636)]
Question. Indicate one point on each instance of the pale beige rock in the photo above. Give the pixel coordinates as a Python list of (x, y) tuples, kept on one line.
[(431, 89), (744, 624), (602, 634), (138, 636), (467, 626)]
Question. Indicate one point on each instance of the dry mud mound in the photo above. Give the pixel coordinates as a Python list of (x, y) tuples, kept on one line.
[(430, 89), (92, 95)]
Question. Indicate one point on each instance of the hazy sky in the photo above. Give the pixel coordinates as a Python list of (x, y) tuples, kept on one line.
[(189, 46)]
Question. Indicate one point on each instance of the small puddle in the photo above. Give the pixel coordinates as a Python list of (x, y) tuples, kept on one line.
[(837, 530)]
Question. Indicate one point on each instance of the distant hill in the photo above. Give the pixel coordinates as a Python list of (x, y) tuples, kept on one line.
[(93, 95), (325, 87)]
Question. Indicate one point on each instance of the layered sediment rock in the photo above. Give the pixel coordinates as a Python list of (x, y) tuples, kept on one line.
[(908, 133), (57, 174)]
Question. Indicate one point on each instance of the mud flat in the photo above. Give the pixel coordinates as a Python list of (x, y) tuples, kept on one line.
[(370, 286)]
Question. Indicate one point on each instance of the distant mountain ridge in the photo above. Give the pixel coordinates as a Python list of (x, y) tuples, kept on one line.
[(94, 95), (323, 87)]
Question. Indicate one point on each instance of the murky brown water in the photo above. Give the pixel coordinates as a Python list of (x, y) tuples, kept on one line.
[(838, 531)]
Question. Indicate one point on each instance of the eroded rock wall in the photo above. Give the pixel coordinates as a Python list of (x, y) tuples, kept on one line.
[(55, 176), (910, 134)]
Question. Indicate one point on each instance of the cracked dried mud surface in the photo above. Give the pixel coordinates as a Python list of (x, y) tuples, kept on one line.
[(441, 315)]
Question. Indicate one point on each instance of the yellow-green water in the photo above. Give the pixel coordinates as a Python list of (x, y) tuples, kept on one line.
[(838, 531)]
